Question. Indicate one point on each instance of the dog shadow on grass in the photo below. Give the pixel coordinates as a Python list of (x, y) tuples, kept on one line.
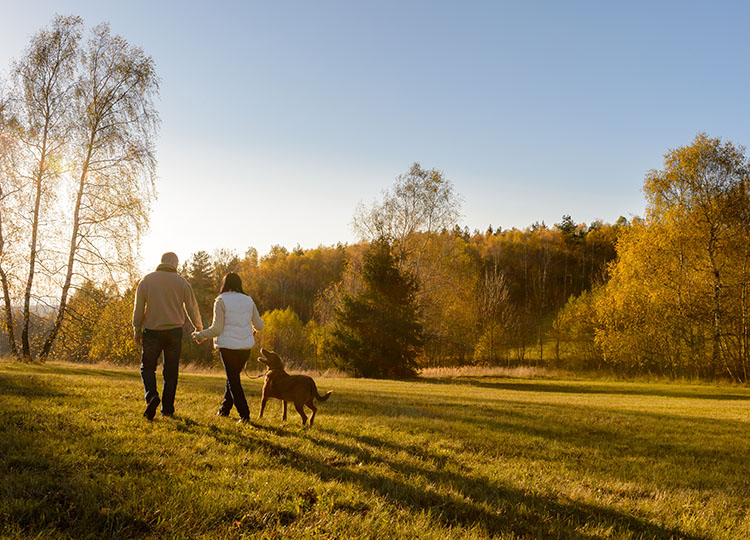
[(455, 497)]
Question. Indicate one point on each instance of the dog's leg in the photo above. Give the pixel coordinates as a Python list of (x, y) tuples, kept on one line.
[(262, 405), (301, 410), (283, 406), (312, 406)]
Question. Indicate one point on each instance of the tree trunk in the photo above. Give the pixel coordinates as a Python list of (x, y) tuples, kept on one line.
[(9, 321), (25, 345), (744, 353), (47, 347), (717, 359)]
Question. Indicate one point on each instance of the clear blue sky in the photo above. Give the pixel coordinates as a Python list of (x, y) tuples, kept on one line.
[(278, 117)]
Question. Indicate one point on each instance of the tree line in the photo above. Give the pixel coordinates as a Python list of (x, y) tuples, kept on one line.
[(426, 292), (666, 293)]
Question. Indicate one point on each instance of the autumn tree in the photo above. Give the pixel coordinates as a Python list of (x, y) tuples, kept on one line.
[(199, 271), (420, 200), (284, 333), (84, 125), (447, 299), (677, 299), (42, 103), (78, 329), (113, 128), (495, 312), (10, 220), (293, 279), (703, 191), (575, 325), (224, 261), (112, 340)]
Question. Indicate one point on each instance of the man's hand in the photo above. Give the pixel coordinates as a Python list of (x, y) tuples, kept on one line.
[(138, 337), (197, 338)]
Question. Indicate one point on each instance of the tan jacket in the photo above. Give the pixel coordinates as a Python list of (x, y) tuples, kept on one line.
[(161, 300)]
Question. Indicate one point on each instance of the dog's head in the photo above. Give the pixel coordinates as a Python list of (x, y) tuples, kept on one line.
[(271, 359)]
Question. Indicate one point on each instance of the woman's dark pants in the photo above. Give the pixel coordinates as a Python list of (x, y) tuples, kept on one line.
[(234, 362), (154, 342)]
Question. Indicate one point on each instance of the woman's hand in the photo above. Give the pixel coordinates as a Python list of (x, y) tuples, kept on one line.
[(197, 338)]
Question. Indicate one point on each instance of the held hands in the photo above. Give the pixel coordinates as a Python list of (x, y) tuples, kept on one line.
[(197, 338)]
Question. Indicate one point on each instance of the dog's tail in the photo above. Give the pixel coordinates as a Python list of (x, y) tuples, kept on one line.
[(318, 396)]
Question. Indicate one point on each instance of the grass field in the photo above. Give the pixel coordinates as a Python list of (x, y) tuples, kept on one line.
[(464, 457)]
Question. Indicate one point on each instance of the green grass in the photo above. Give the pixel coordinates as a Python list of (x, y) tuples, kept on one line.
[(468, 457)]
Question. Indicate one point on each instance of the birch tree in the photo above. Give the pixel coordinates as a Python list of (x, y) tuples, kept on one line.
[(702, 192), (9, 231), (420, 201), (44, 88), (83, 131), (114, 159)]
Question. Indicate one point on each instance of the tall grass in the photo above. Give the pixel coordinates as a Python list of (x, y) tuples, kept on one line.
[(439, 457)]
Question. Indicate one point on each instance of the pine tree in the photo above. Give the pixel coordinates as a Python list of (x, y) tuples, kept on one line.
[(377, 332), (198, 270)]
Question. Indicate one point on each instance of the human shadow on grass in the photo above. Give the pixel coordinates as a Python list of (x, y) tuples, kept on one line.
[(593, 388), (498, 509)]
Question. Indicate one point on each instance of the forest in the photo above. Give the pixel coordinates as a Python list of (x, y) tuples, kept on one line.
[(666, 293), (663, 294)]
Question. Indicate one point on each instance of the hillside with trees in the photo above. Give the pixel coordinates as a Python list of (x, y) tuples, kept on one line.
[(667, 293)]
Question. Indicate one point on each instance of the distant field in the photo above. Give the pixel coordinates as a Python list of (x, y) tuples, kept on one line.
[(466, 457)]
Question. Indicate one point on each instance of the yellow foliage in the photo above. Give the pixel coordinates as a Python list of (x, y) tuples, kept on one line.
[(113, 334)]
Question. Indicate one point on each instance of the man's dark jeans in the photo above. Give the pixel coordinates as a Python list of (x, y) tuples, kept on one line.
[(154, 343), (234, 361)]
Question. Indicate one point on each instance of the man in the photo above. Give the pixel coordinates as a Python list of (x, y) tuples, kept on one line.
[(161, 301)]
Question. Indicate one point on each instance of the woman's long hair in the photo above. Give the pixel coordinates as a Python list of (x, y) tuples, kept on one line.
[(233, 283)]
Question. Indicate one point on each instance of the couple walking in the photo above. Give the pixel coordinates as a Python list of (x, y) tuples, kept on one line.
[(162, 299)]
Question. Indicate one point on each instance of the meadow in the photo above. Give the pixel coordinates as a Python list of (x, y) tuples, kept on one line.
[(473, 456)]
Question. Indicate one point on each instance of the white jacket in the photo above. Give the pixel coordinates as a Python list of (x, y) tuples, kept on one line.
[(235, 317)]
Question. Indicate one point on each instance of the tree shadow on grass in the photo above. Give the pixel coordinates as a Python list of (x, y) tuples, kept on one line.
[(609, 441), (27, 386), (68, 368), (57, 487), (496, 508), (596, 388), (68, 501)]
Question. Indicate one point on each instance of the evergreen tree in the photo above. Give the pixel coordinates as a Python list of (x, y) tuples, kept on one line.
[(199, 271), (377, 332)]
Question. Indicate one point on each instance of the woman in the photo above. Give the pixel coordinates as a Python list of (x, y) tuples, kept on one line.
[(236, 320)]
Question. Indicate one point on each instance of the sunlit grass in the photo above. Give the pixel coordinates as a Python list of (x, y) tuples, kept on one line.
[(464, 457)]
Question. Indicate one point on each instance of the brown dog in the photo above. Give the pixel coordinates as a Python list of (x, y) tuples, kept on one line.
[(299, 389)]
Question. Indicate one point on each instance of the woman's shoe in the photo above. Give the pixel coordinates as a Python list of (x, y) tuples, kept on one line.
[(243, 421), (221, 413)]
